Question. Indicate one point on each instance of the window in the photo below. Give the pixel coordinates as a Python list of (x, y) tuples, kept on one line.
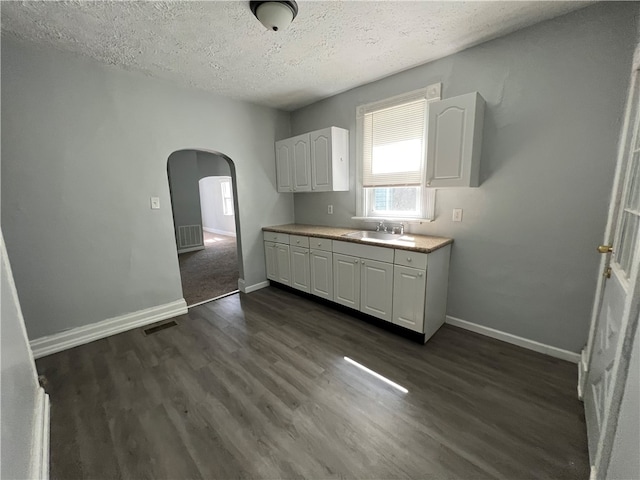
[(391, 140), (227, 197)]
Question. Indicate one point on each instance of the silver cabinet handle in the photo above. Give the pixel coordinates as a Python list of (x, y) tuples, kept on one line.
[(419, 274), (408, 259), (362, 261), (355, 261)]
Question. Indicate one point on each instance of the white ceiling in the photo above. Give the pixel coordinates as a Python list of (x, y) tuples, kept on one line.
[(220, 46)]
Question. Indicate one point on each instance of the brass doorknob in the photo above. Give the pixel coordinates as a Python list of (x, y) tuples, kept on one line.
[(605, 249)]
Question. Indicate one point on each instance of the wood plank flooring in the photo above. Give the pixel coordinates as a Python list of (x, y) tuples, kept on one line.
[(256, 386)]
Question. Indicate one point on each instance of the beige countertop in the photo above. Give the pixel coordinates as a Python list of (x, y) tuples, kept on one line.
[(411, 242)]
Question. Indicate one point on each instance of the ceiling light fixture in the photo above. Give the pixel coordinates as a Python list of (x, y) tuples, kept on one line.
[(275, 15)]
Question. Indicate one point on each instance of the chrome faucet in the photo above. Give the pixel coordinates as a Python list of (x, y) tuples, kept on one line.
[(398, 229)]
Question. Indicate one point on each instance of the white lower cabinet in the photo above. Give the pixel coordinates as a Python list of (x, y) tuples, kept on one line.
[(346, 280), (376, 289), (271, 260), (408, 297), (278, 263), (283, 264), (300, 268), (404, 287), (321, 265)]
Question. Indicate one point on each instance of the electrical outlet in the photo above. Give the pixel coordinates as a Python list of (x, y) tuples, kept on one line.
[(330, 209), (457, 215), (155, 203)]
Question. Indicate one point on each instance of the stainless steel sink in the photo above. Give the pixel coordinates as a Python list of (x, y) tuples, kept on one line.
[(382, 237)]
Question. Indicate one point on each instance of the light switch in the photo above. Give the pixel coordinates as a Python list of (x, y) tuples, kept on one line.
[(330, 209), (155, 203), (457, 215)]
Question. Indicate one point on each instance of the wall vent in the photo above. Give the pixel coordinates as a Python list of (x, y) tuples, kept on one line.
[(189, 236)]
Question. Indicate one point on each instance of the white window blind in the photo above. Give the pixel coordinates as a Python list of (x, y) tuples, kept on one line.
[(393, 145)]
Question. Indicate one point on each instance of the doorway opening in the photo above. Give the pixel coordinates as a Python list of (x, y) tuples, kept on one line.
[(204, 206)]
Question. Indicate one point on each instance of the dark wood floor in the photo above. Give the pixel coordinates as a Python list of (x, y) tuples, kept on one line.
[(256, 386)]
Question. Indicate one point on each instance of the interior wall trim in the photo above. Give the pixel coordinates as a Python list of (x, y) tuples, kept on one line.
[(41, 429), (58, 342), (242, 286), (515, 340), (219, 232)]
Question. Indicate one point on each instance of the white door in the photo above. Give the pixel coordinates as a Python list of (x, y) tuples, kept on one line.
[(321, 264), (408, 297), (376, 289), (300, 268), (284, 166), (346, 280), (271, 260), (617, 301), (283, 264), (321, 160), (301, 163)]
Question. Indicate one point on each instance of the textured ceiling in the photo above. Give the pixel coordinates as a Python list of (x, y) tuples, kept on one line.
[(221, 47)]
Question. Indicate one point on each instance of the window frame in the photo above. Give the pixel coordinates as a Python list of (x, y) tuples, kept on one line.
[(364, 195), (227, 208)]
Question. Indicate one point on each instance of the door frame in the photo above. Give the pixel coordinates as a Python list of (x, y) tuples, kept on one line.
[(631, 311)]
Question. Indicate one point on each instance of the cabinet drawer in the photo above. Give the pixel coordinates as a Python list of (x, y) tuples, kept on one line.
[(299, 241), (276, 237), (411, 259), (381, 254), (320, 244)]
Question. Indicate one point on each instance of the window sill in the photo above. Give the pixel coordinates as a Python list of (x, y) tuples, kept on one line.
[(394, 219)]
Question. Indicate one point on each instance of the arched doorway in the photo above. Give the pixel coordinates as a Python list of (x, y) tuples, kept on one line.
[(204, 205)]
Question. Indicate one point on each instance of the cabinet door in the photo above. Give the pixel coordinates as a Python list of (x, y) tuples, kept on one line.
[(283, 266), (301, 163), (346, 280), (271, 260), (321, 264), (455, 141), (321, 160), (300, 268), (284, 165), (408, 297), (376, 289)]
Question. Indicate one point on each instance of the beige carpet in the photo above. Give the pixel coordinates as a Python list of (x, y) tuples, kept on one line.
[(211, 272)]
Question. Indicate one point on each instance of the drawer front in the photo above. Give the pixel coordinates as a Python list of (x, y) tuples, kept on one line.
[(299, 241), (276, 237), (381, 254), (411, 259), (320, 244)]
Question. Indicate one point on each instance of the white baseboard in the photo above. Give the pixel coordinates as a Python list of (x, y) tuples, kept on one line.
[(44, 346), (251, 288), (515, 340), (219, 232), (190, 249), (40, 445)]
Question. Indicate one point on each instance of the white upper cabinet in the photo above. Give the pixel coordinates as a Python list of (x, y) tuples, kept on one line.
[(301, 163), (330, 160), (314, 162), (284, 166), (455, 141)]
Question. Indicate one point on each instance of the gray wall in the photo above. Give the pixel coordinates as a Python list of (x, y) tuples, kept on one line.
[(84, 146), (19, 382), (182, 169), (210, 165), (211, 204), (523, 260)]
